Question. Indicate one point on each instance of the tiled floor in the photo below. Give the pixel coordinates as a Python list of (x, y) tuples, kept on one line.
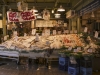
[(11, 68)]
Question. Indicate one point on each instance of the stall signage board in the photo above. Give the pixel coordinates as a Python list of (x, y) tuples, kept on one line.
[(20, 16)]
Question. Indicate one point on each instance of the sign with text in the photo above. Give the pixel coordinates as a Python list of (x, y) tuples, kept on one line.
[(33, 31), (20, 16)]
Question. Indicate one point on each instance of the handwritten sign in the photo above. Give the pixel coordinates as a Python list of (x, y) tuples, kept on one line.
[(20, 16)]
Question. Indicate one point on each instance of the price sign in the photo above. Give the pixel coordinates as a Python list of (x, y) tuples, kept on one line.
[(75, 50), (54, 32), (71, 32), (25, 34), (75, 31), (59, 32), (67, 31), (5, 38), (96, 34), (70, 48), (47, 32), (33, 31), (78, 48), (85, 29), (15, 33), (90, 50)]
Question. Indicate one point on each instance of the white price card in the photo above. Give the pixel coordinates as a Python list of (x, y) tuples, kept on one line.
[(15, 33), (54, 32), (65, 24), (59, 32), (25, 34), (90, 50), (67, 31), (71, 32), (96, 34), (33, 31), (70, 48), (47, 32), (43, 34), (5, 38), (75, 31), (75, 50), (78, 48), (85, 29), (64, 31)]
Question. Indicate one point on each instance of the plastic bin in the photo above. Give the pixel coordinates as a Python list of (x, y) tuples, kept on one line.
[(86, 63), (85, 71), (63, 63), (73, 71)]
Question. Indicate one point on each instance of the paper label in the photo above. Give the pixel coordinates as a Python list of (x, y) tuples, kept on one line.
[(25, 34), (96, 34), (54, 32), (47, 32), (65, 24), (78, 48), (70, 48), (59, 32), (75, 31), (15, 33), (33, 31), (85, 29), (5, 38), (67, 31), (90, 50), (71, 32), (43, 34), (75, 50)]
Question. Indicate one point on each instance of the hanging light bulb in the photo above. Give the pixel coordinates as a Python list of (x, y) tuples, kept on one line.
[(61, 9), (52, 11), (34, 9)]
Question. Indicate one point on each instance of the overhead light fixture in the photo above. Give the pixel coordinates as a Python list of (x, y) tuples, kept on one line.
[(0, 14), (61, 9), (34, 9)]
